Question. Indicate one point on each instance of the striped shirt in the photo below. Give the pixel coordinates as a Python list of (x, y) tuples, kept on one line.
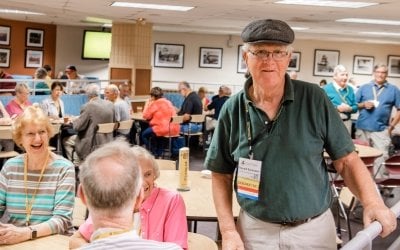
[(54, 200), (127, 241)]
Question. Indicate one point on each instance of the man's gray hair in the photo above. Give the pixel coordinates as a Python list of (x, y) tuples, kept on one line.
[(339, 69), (113, 88), (111, 190), (93, 90), (185, 84), (380, 65)]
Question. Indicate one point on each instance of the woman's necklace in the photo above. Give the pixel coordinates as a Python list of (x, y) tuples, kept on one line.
[(29, 202)]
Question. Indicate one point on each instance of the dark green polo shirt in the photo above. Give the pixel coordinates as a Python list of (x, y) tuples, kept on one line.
[(294, 179)]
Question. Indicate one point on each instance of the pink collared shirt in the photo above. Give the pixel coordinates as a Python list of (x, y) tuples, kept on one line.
[(162, 216)]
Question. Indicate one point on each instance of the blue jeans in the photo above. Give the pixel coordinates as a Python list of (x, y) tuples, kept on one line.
[(157, 143), (194, 127)]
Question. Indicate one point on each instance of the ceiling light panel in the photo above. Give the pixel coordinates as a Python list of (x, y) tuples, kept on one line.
[(151, 6), (21, 12), (322, 3), (369, 21)]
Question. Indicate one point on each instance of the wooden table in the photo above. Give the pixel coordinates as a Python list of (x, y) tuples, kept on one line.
[(137, 116), (199, 200), (52, 242), (364, 152)]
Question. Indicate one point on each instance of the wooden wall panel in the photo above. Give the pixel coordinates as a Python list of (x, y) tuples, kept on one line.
[(18, 45)]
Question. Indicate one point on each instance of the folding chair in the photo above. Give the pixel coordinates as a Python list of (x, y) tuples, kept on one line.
[(166, 164), (392, 166), (174, 120), (195, 119), (56, 130)]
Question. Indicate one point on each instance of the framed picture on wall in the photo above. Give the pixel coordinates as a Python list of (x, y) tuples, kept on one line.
[(33, 58), (5, 58), (210, 58), (5, 34), (241, 65), (294, 63), (363, 65), (393, 66), (34, 37), (169, 55), (325, 61)]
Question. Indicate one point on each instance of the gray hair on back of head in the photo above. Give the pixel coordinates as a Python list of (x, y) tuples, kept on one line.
[(93, 90), (112, 190)]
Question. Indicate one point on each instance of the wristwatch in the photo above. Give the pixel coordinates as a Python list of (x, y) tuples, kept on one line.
[(33, 233)]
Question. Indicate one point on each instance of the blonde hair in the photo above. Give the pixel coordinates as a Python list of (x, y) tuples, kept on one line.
[(32, 115)]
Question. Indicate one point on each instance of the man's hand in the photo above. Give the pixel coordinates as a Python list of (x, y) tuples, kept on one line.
[(382, 214), (231, 241)]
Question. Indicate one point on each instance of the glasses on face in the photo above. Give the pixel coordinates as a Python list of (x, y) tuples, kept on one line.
[(264, 54), (381, 72), (32, 135)]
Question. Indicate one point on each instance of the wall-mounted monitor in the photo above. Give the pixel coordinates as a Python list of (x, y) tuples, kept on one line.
[(96, 45)]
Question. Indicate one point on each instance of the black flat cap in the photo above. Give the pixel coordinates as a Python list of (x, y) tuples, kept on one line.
[(268, 31)]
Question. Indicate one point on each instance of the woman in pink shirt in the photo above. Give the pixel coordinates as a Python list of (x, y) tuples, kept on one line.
[(158, 110), (162, 214), (21, 101)]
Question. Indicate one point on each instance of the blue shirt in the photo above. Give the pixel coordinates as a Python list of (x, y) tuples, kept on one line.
[(377, 119)]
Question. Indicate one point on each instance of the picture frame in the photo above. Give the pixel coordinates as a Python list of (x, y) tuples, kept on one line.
[(325, 61), (241, 64), (393, 66), (210, 57), (5, 35), (363, 65), (34, 37), (33, 58), (294, 64), (5, 58), (169, 55)]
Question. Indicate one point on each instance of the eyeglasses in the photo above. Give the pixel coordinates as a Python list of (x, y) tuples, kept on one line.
[(263, 54), (32, 135), (381, 72)]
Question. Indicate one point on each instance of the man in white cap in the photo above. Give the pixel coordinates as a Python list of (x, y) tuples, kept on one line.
[(277, 129)]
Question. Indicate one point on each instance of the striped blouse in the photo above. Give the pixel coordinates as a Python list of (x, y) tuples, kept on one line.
[(54, 201)]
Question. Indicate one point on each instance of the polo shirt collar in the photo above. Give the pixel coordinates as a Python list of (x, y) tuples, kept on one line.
[(288, 94), (385, 84), (337, 87)]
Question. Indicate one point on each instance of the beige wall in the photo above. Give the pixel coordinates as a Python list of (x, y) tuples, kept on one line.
[(69, 45)]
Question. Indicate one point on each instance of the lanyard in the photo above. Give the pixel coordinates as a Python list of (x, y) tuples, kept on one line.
[(110, 233), (29, 203), (379, 92), (341, 96), (268, 127)]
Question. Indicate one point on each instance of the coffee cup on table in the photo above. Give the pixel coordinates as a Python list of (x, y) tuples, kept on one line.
[(66, 119)]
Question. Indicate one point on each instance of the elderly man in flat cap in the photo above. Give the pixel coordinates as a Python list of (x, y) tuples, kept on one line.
[(277, 129)]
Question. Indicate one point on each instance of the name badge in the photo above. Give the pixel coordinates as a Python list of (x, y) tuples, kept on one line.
[(248, 178)]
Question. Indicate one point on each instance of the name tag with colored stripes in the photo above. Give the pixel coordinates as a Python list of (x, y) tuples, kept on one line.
[(248, 178)]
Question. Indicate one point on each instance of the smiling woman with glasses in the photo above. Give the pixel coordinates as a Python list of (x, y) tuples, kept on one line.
[(21, 101), (37, 188)]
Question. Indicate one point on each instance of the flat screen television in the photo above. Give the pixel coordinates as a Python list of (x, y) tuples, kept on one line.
[(96, 45)]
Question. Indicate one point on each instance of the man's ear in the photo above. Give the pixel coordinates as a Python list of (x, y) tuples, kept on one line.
[(81, 194), (139, 200)]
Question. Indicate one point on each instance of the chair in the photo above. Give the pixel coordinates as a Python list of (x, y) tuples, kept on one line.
[(79, 214), (392, 166), (195, 119), (199, 242), (174, 120), (56, 130), (348, 200), (106, 128), (166, 164), (6, 134), (125, 124)]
